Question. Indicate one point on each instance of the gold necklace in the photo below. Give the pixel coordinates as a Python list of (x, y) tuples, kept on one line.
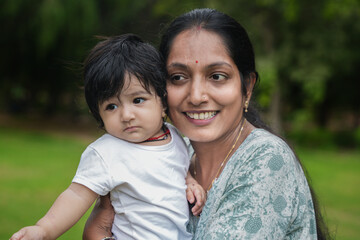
[(225, 159)]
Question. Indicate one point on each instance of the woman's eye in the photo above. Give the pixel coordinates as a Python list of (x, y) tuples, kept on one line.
[(138, 100), (218, 77), (176, 78), (111, 107)]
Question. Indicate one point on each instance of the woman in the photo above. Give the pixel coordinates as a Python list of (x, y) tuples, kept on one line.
[(256, 186)]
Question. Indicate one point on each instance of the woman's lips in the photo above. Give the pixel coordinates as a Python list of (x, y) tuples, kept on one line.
[(201, 115)]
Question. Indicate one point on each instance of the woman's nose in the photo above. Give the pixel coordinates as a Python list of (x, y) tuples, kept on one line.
[(198, 94)]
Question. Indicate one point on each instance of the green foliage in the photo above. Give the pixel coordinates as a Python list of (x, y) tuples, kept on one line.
[(345, 8), (51, 20), (44, 40), (268, 79), (318, 138), (173, 8), (307, 51), (325, 139), (357, 137)]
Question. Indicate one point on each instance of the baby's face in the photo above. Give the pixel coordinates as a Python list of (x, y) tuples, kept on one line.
[(135, 114)]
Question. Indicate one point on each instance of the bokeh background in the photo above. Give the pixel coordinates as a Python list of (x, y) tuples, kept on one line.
[(307, 55)]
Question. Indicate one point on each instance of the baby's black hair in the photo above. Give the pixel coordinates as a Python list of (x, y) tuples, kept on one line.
[(111, 59)]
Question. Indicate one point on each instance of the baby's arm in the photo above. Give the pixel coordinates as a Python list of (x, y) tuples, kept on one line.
[(68, 208), (195, 194)]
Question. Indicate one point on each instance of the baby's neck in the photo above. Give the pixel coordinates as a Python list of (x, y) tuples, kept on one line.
[(159, 140), (157, 143)]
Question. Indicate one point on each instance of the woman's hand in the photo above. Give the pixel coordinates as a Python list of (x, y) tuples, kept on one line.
[(100, 221)]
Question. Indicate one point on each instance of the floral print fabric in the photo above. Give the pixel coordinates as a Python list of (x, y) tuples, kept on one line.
[(262, 193)]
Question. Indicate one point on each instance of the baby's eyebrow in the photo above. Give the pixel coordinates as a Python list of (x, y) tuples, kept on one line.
[(140, 92)]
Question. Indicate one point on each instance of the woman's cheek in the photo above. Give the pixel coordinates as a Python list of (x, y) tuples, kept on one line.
[(174, 98)]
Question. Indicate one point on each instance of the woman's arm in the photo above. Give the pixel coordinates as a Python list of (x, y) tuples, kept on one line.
[(63, 214), (100, 221)]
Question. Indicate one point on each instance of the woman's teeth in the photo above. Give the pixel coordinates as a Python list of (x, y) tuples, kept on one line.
[(201, 116)]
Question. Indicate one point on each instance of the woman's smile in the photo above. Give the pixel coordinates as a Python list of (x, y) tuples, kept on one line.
[(201, 118), (206, 115)]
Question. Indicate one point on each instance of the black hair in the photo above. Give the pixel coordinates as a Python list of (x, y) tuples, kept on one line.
[(114, 58), (239, 47)]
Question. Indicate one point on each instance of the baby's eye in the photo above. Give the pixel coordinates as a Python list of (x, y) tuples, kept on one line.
[(138, 100), (111, 106), (218, 77)]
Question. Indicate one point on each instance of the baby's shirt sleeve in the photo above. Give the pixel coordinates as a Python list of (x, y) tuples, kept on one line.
[(93, 172)]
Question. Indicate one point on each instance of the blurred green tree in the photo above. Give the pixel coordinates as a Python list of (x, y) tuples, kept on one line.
[(38, 36), (307, 51), (42, 37)]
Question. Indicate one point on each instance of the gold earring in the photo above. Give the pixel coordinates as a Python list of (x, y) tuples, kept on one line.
[(246, 105)]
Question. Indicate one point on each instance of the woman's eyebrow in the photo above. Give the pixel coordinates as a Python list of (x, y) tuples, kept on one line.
[(212, 65), (178, 65), (219, 64)]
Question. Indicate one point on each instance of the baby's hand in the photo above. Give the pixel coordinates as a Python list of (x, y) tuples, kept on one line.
[(29, 233), (196, 196)]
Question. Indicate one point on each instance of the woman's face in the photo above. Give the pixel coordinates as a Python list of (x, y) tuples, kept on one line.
[(204, 88)]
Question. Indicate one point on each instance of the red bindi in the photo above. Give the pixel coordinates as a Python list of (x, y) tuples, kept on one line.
[(196, 61)]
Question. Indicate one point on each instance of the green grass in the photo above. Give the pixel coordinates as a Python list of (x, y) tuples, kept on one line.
[(36, 167), (335, 177)]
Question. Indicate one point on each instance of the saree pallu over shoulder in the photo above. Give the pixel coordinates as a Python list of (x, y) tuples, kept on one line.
[(262, 193)]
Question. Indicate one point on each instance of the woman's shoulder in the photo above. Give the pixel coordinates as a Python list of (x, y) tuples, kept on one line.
[(266, 159), (262, 141), (265, 137), (264, 150)]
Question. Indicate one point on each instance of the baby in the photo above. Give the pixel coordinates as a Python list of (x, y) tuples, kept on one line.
[(141, 160)]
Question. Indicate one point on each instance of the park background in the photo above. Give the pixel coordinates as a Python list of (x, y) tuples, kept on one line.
[(307, 55)]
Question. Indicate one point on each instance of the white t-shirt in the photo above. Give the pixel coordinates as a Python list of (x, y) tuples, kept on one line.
[(146, 184)]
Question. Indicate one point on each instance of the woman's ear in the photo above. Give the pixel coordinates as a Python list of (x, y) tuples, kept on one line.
[(250, 81)]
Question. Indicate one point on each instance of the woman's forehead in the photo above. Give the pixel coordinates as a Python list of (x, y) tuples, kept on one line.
[(198, 46)]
